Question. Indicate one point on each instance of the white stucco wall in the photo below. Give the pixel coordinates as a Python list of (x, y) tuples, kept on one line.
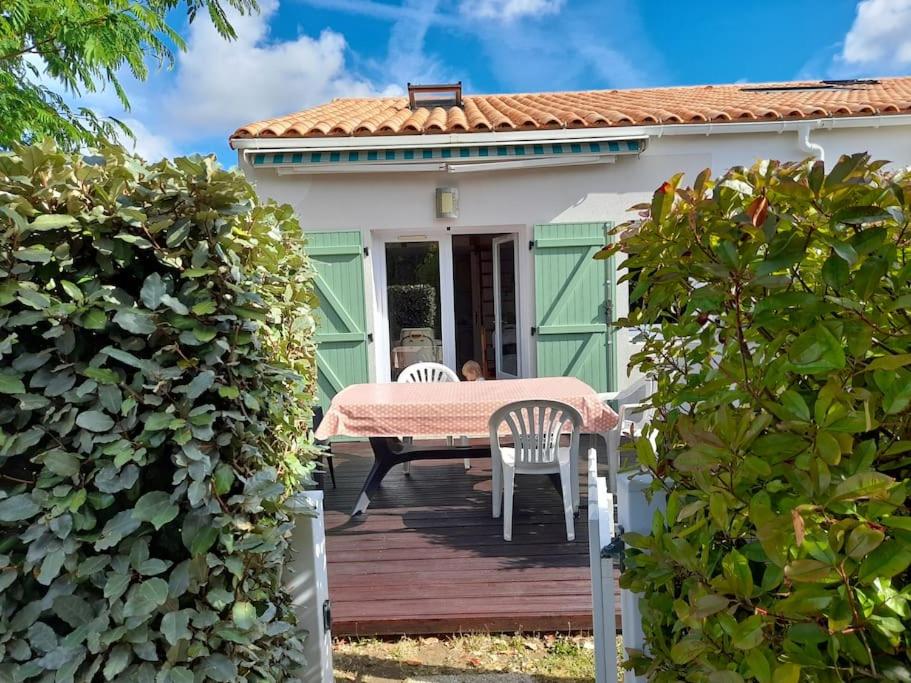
[(404, 202)]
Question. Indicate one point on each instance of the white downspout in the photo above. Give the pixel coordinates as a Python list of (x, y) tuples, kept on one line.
[(803, 142)]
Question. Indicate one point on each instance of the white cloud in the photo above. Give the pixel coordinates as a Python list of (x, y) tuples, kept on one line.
[(577, 49), (879, 40), (406, 60), (105, 103), (218, 85), (150, 146), (221, 85), (521, 53), (509, 10)]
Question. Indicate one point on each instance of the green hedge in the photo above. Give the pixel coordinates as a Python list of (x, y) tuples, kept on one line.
[(412, 305), (151, 441), (775, 317)]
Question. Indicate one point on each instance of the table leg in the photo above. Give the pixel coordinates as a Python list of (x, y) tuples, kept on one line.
[(389, 452), (384, 459)]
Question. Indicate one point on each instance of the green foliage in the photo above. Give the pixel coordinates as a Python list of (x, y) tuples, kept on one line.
[(82, 45), (412, 305), (150, 441), (775, 320)]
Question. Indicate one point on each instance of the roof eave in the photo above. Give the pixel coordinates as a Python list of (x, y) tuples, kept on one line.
[(564, 134)]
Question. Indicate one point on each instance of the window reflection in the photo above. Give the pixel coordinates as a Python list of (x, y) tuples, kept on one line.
[(413, 303)]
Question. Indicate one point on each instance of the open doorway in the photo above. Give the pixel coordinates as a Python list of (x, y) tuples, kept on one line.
[(485, 297)]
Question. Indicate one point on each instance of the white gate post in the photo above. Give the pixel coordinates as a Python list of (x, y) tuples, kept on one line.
[(604, 609), (307, 582), (634, 514)]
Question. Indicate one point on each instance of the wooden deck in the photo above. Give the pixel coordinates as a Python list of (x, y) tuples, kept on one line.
[(429, 558)]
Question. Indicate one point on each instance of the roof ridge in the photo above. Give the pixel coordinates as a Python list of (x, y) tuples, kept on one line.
[(601, 108), (658, 88), (692, 86)]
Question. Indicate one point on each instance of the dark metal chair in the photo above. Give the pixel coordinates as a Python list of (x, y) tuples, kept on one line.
[(326, 453)]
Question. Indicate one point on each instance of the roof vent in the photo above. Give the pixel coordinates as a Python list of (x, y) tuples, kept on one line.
[(437, 95), (844, 84)]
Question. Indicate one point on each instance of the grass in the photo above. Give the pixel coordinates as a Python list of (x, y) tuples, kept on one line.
[(548, 658)]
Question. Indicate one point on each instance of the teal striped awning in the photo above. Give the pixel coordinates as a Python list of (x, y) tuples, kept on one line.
[(446, 154)]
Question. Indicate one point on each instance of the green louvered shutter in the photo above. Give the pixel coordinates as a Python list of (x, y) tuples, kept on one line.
[(341, 355), (573, 303)]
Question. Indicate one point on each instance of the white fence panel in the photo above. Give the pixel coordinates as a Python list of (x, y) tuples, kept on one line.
[(604, 609), (634, 514), (307, 581)]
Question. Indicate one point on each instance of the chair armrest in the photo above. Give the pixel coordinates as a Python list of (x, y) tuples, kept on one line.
[(632, 408)]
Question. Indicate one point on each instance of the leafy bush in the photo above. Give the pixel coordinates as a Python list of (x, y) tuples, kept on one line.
[(150, 441), (775, 320), (412, 305)]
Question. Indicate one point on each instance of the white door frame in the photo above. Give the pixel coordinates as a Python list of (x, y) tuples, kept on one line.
[(443, 235), (382, 342), (498, 304)]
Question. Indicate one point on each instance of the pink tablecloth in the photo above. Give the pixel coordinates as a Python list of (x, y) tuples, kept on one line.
[(444, 408)]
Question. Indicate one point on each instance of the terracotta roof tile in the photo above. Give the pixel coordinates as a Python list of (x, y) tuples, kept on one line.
[(456, 120), (437, 121), (594, 109)]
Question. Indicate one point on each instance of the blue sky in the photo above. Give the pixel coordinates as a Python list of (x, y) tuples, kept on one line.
[(299, 53)]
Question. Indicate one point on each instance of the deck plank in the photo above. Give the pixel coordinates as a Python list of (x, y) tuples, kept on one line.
[(428, 557)]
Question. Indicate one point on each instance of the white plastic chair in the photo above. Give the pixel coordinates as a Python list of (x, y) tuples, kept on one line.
[(635, 413), (536, 428), (428, 372)]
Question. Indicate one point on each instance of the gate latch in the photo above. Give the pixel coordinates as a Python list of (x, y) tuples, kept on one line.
[(327, 616), (615, 549)]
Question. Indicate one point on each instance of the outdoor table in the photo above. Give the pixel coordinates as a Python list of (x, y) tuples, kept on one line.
[(384, 413)]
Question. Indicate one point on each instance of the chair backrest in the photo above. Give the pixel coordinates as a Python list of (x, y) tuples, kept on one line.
[(536, 428), (636, 392), (417, 336), (427, 372), (317, 419), (636, 416)]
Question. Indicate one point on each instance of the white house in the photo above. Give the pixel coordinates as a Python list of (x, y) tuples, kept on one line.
[(455, 227)]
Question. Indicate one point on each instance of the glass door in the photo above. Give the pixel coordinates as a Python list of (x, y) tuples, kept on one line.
[(506, 332), (413, 304)]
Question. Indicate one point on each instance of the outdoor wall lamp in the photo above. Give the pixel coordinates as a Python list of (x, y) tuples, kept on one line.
[(447, 202)]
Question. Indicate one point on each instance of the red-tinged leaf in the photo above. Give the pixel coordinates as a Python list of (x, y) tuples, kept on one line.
[(663, 199), (701, 181), (797, 521), (758, 210), (606, 252)]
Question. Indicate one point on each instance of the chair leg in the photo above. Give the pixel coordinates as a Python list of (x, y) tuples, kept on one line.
[(496, 484), (509, 476), (613, 443), (329, 458), (574, 482), (613, 466), (566, 485), (467, 463), (406, 466)]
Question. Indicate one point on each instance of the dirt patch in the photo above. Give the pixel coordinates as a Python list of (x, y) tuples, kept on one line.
[(549, 658)]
